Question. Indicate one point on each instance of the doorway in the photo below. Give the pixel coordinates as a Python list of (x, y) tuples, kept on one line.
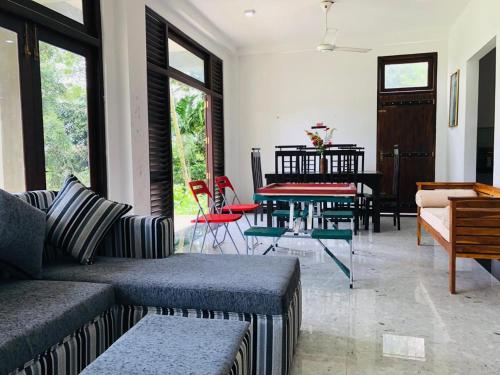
[(189, 148), (406, 116), (486, 118)]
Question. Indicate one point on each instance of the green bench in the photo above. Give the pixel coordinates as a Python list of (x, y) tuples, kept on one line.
[(337, 234), (273, 232)]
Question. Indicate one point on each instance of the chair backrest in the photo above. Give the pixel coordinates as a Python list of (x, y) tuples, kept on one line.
[(396, 172), (288, 161), (222, 183), (199, 187), (256, 169)]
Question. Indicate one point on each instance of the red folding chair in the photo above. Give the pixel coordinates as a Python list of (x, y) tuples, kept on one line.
[(217, 217), (235, 206)]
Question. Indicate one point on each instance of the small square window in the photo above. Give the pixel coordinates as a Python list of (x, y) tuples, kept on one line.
[(406, 75)]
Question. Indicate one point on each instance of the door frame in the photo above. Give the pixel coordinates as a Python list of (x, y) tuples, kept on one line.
[(407, 96)]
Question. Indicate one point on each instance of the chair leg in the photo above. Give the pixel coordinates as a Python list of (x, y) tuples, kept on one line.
[(399, 221), (231, 237), (204, 237), (452, 273), (255, 218), (351, 277), (367, 214), (215, 238), (192, 237)]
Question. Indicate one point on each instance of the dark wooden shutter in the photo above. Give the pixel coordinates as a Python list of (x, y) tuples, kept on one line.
[(217, 120), (160, 144)]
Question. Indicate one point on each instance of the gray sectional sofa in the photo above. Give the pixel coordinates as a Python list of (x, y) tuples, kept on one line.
[(60, 324)]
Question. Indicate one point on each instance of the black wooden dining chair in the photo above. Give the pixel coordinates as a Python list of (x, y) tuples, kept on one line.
[(388, 202), (257, 179)]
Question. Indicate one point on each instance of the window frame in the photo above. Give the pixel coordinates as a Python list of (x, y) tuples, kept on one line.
[(46, 25), (430, 58)]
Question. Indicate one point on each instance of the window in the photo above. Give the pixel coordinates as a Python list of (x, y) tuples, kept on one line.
[(65, 115), (185, 61), (406, 75), (69, 8), (51, 106)]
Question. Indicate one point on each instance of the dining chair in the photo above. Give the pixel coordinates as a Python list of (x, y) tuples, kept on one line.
[(390, 202), (257, 179)]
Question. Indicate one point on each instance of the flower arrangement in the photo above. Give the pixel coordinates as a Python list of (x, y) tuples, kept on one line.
[(321, 143)]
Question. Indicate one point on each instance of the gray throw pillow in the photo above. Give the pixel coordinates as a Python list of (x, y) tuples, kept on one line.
[(79, 219), (22, 236)]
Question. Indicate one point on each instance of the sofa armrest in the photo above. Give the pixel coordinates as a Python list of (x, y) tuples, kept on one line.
[(445, 185), (146, 237)]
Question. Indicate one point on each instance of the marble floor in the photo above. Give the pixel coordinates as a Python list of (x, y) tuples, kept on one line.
[(399, 318)]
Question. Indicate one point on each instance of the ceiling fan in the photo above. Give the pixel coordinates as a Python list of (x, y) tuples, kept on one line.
[(330, 36)]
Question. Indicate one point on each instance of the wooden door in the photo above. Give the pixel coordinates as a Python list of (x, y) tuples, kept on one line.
[(407, 117)]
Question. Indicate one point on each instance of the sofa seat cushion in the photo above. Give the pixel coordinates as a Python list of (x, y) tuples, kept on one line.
[(439, 197), (436, 218), (173, 345), (230, 283), (37, 314)]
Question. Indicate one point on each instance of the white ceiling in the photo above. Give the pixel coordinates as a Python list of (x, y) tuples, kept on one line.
[(299, 22)]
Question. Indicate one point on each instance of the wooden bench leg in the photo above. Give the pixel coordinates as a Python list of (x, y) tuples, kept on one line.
[(452, 273), (419, 232)]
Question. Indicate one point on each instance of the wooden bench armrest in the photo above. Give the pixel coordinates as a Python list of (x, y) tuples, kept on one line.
[(444, 185)]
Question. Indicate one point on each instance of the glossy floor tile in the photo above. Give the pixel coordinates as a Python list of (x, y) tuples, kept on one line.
[(399, 318)]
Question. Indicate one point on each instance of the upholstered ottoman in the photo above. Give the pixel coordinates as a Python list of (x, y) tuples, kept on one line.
[(178, 346)]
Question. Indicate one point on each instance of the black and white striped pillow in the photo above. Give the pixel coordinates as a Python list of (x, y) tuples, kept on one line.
[(78, 220)]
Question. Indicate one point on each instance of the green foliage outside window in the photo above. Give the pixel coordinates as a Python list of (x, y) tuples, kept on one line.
[(188, 143), (65, 119)]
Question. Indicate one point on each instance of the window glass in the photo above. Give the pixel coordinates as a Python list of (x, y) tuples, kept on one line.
[(65, 116), (186, 61), (11, 126), (69, 8), (406, 75)]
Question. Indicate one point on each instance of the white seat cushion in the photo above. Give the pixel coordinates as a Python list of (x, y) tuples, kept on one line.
[(436, 218), (439, 197)]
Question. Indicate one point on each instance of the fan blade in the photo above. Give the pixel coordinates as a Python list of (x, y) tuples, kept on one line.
[(352, 49)]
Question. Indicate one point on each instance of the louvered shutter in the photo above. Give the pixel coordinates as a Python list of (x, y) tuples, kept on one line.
[(160, 144), (217, 120)]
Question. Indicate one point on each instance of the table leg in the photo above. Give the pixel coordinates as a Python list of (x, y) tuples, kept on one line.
[(269, 213), (310, 216), (376, 213), (291, 220)]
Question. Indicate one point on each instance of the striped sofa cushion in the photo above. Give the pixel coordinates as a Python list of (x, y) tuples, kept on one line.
[(41, 199), (78, 220), (144, 237)]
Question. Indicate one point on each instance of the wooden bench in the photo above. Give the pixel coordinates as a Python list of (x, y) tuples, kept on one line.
[(473, 226)]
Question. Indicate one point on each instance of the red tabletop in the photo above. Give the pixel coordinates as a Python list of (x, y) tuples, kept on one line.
[(309, 189)]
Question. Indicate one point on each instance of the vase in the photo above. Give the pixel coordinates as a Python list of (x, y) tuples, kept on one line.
[(323, 165)]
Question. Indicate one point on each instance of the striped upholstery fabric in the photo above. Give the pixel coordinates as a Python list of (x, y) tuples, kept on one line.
[(78, 220), (41, 199), (145, 237), (132, 236), (76, 351), (268, 357)]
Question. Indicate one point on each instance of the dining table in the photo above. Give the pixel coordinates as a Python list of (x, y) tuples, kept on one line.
[(371, 179)]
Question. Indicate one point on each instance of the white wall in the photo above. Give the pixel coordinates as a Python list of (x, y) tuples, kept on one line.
[(125, 74), (473, 35), (282, 94)]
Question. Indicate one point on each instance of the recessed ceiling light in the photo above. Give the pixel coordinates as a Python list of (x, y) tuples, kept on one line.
[(249, 12), (9, 41)]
